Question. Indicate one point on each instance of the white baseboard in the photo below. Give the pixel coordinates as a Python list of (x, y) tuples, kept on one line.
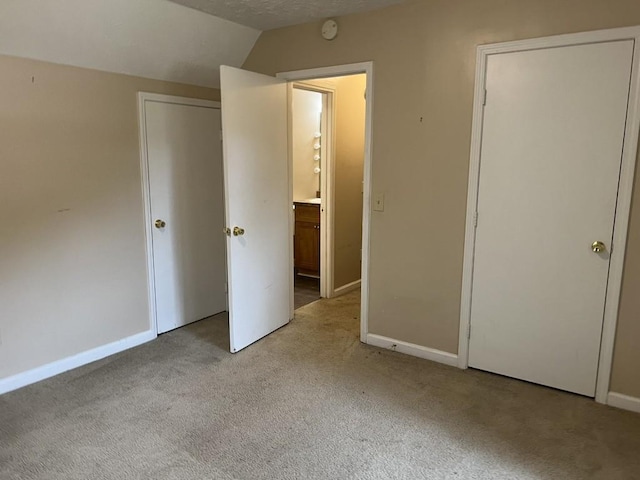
[(349, 287), (412, 349), (54, 368), (625, 402)]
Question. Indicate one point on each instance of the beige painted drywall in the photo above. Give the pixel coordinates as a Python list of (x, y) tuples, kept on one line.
[(72, 262), (305, 124), (348, 174), (424, 64), (626, 361)]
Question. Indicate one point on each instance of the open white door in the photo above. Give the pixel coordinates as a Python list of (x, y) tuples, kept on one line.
[(254, 127)]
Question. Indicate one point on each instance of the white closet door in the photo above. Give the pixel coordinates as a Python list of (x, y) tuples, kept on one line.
[(551, 150), (185, 179)]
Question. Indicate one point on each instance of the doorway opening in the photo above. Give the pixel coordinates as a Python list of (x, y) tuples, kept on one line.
[(259, 198), (327, 148)]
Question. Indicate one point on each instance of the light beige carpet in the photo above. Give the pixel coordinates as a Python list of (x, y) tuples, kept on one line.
[(309, 401)]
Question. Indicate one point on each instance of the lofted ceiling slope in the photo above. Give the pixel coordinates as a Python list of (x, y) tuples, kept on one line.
[(176, 40), (148, 38)]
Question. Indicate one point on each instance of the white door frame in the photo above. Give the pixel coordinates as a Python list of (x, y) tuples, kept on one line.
[(143, 98), (338, 71), (327, 177), (625, 188)]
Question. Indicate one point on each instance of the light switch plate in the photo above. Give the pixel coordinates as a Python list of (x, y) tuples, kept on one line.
[(378, 202)]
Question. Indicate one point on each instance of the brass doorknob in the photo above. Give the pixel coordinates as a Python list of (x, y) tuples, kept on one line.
[(160, 223), (237, 231), (598, 247)]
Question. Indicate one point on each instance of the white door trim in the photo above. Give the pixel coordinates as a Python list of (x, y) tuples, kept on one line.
[(143, 98), (625, 188), (336, 71)]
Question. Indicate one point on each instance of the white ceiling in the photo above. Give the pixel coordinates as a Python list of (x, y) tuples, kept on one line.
[(268, 14)]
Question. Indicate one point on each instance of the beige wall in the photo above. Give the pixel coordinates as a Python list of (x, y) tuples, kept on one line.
[(72, 263), (306, 112), (424, 62), (349, 169)]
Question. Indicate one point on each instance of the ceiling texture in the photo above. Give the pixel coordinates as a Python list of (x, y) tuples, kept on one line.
[(269, 14)]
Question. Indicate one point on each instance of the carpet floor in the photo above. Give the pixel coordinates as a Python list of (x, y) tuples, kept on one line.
[(307, 402)]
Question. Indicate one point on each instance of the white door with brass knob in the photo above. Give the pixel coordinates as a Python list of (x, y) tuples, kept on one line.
[(257, 204), (551, 148), (186, 211)]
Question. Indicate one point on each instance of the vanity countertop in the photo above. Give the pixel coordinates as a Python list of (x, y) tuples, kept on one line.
[(311, 201)]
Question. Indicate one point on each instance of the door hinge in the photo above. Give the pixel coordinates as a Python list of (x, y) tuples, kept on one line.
[(484, 100), (220, 135), (475, 219), (226, 287), (469, 332)]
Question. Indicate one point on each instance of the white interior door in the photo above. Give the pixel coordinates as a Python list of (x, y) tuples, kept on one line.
[(186, 196), (552, 142), (257, 194)]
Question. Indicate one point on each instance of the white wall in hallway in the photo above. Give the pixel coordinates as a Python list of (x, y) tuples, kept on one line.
[(307, 109)]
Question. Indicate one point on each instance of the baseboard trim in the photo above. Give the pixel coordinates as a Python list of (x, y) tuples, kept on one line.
[(37, 374), (349, 287), (625, 402), (412, 349)]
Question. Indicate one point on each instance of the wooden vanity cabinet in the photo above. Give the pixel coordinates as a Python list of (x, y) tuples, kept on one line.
[(306, 240)]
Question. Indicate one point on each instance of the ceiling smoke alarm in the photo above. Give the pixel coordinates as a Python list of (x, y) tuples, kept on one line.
[(329, 29)]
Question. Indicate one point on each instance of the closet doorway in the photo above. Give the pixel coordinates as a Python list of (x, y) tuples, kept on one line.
[(181, 165)]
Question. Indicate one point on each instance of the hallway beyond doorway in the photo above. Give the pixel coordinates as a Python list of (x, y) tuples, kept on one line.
[(306, 290)]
